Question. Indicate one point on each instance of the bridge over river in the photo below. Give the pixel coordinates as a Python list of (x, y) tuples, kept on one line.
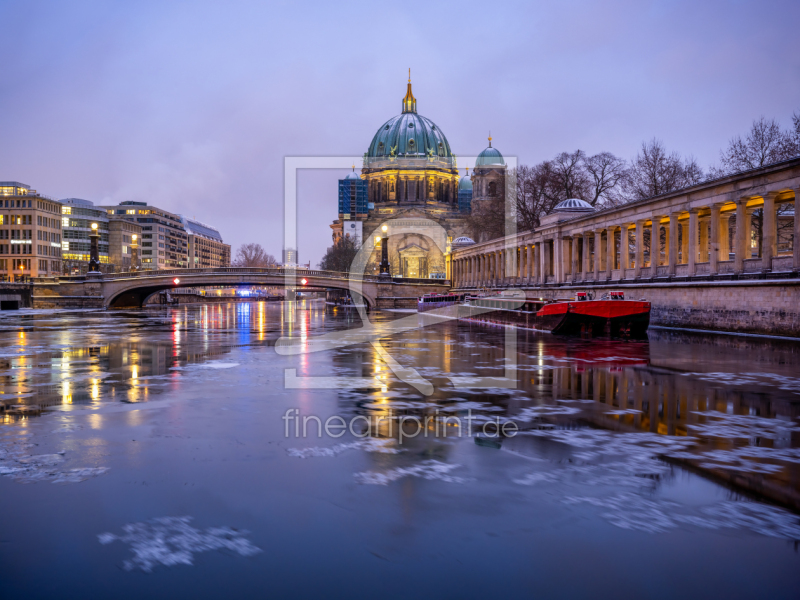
[(129, 290)]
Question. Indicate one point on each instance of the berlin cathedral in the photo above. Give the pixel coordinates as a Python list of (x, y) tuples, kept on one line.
[(410, 180)]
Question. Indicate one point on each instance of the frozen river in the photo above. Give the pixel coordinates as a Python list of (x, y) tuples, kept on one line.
[(156, 454)]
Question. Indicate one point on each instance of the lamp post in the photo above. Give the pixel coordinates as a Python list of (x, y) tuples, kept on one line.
[(22, 270), (384, 272), (134, 253), (94, 253)]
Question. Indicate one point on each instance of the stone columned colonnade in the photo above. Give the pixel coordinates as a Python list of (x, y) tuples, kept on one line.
[(737, 225)]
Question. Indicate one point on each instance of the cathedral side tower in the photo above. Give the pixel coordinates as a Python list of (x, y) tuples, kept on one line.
[(488, 178)]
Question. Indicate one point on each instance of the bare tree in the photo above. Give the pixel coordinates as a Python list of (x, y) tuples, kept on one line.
[(792, 144), (692, 172), (654, 172), (253, 255), (607, 173), (535, 195), (764, 144), (341, 255), (569, 177)]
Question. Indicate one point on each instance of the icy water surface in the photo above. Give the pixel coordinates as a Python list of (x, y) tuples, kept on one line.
[(145, 454)]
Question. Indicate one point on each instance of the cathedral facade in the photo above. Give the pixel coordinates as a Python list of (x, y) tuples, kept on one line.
[(411, 181)]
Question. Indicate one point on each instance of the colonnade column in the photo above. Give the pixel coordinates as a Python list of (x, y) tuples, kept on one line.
[(713, 242), (528, 263), (544, 271), (655, 244), (514, 265), (673, 243), (724, 236), (692, 242), (610, 252), (575, 253), (598, 240), (796, 239), (639, 256), (742, 231), (624, 249), (684, 243), (536, 259), (703, 241), (768, 232), (587, 257)]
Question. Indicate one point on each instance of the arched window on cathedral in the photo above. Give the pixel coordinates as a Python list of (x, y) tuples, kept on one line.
[(492, 189)]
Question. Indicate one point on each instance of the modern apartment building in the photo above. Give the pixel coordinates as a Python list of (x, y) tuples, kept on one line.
[(30, 233), (122, 234), (206, 248), (114, 245), (76, 222), (164, 241)]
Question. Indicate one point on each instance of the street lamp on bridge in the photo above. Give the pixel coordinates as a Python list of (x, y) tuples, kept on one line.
[(134, 252), (94, 251), (384, 272)]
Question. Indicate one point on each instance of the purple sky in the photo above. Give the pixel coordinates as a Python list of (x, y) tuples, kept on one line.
[(192, 106)]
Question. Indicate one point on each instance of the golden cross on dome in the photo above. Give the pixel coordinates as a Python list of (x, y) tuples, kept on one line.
[(409, 74)]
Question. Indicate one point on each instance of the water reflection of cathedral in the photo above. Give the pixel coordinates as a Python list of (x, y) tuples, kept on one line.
[(410, 176)]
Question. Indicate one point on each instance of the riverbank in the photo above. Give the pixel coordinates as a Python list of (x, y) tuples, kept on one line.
[(765, 307)]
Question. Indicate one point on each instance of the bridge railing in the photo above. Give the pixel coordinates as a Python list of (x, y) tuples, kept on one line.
[(280, 272)]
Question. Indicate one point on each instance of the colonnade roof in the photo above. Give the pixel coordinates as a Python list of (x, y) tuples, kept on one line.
[(729, 188)]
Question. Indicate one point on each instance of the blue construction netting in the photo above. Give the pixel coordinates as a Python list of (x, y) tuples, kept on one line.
[(353, 197), (465, 201)]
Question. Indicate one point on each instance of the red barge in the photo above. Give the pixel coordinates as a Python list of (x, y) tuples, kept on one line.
[(610, 316)]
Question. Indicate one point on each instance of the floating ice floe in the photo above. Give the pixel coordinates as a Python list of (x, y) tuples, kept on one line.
[(724, 425), (530, 413), (632, 511), (429, 469), (173, 541), (212, 364), (368, 445), (29, 468)]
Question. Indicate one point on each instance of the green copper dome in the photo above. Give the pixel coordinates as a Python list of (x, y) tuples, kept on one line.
[(409, 135), (490, 156), (465, 183)]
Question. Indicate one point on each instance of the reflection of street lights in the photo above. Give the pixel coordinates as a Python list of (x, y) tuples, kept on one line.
[(94, 255), (134, 253), (384, 272)]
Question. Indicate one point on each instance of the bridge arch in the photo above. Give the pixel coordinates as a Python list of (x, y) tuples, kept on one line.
[(132, 290)]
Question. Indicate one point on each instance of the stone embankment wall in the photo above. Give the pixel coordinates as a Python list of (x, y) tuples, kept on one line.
[(761, 307), (15, 295)]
